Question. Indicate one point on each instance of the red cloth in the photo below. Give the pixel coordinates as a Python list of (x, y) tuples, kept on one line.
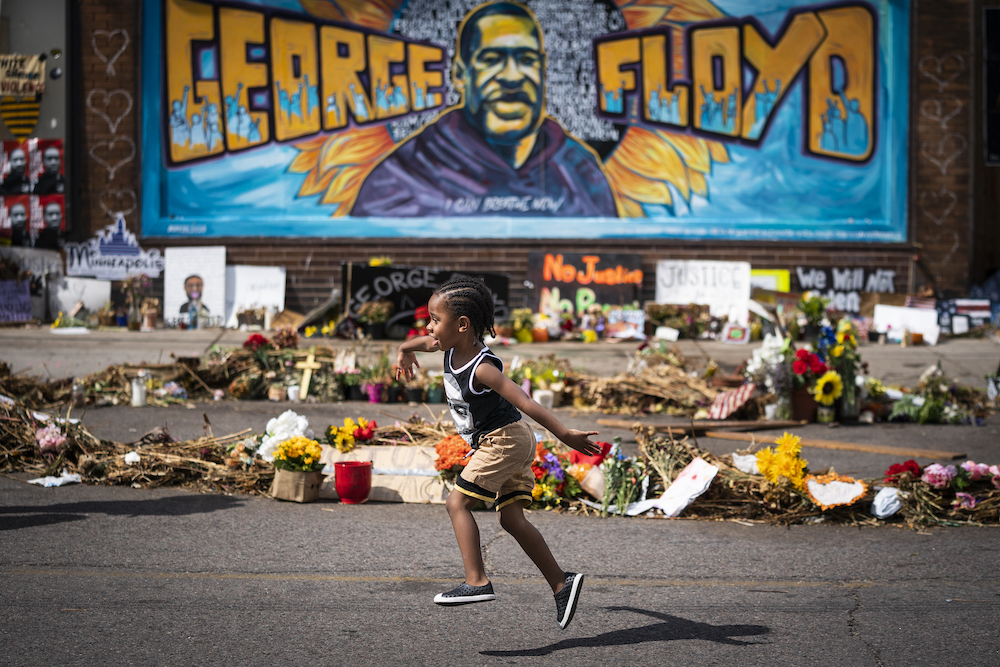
[(577, 457)]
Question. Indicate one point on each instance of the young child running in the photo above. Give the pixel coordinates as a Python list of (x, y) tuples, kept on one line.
[(487, 407)]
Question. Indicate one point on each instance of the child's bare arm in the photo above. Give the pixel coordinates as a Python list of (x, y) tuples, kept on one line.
[(406, 360), (490, 376)]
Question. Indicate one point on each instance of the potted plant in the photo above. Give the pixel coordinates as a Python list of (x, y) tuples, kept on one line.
[(435, 388), (373, 315), (397, 390), (351, 380), (813, 308), (135, 287), (522, 321), (298, 470)]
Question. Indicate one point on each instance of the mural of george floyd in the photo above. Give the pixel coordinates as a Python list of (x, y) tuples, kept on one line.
[(455, 135), (777, 119)]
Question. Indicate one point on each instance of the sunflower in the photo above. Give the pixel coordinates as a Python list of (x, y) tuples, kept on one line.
[(838, 350), (828, 388)]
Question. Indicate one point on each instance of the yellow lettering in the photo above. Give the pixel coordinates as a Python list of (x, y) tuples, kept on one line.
[(188, 22), (717, 75), (662, 101), (343, 53), (239, 28), (422, 79), (615, 82), (294, 66)]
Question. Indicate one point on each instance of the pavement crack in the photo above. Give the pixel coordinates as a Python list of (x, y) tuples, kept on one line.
[(487, 561), (852, 626)]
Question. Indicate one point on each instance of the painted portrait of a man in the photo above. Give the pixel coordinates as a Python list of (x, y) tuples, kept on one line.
[(497, 152)]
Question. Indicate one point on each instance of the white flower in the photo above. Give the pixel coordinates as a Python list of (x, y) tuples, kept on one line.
[(279, 429)]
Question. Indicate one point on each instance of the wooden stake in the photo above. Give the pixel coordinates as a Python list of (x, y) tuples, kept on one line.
[(900, 452), (307, 367)]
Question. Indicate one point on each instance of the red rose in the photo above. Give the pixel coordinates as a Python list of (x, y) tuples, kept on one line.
[(802, 354), (539, 472), (800, 367)]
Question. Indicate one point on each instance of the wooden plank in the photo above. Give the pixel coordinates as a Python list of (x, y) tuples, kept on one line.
[(704, 425), (900, 452)]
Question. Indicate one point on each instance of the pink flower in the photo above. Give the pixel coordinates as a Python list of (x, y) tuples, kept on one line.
[(977, 471), (939, 476), (50, 439), (965, 501), (995, 471)]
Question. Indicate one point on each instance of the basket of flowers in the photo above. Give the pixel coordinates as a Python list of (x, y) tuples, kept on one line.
[(298, 471)]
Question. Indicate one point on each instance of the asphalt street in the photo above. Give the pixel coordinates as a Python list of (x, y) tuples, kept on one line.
[(122, 576)]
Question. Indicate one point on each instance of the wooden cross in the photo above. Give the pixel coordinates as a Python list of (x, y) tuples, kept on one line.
[(307, 367)]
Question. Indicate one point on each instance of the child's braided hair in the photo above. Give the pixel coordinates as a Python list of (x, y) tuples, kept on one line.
[(464, 295)]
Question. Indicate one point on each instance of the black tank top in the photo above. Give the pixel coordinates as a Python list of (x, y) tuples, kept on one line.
[(475, 412)]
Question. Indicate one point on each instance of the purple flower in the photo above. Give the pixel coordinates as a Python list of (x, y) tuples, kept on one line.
[(965, 501), (939, 476), (977, 471), (552, 466)]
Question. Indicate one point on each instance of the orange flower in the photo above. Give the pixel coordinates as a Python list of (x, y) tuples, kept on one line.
[(452, 451)]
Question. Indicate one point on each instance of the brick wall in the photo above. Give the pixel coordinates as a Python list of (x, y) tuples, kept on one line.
[(941, 150), (106, 113)]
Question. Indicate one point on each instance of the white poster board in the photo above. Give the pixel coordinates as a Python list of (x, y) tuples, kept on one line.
[(253, 287), (44, 265), (65, 293), (894, 321), (197, 271), (722, 286)]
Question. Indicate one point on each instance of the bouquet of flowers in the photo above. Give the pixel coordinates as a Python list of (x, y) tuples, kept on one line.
[(280, 429), (452, 454), (375, 312), (552, 482), (51, 440), (298, 454), (134, 287)]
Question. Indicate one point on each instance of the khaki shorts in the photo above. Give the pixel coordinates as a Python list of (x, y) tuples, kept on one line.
[(500, 470)]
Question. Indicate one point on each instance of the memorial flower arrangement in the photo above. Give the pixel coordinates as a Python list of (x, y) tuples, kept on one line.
[(135, 287), (51, 439), (553, 482), (783, 465), (452, 455), (298, 454), (624, 477), (375, 312), (828, 388), (282, 428), (946, 493), (285, 338), (380, 260)]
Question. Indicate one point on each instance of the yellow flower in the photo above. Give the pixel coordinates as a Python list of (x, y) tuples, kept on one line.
[(536, 492), (838, 350), (828, 388), (789, 444), (311, 331), (362, 423)]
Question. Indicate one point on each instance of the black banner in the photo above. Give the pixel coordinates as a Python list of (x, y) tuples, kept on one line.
[(408, 288)]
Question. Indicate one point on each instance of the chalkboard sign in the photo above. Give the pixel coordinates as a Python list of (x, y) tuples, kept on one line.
[(15, 301), (411, 287)]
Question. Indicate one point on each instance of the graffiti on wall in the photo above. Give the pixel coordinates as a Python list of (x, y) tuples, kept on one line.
[(552, 118)]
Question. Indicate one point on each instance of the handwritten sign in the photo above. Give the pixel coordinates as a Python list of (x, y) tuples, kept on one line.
[(253, 287), (568, 283), (410, 287), (722, 286), (15, 301)]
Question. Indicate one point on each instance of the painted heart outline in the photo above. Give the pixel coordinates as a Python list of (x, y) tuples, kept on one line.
[(930, 204), (934, 109), (109, 63), (112, 124), (934, 69), (942, 157), (113, 168), (118, 194)]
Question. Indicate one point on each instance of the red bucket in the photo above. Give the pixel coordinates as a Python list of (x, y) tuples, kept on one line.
[(353, 481)]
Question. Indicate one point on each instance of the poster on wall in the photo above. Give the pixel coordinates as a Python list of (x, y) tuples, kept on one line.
[(194, 286), (113, 254), (569, 283), (765, 119), (722, 286), (408, 288), (251, 287)]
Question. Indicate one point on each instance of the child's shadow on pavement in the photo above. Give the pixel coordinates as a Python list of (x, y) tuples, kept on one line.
[(671, 628)]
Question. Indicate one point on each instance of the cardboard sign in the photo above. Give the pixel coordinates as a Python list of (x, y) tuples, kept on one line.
[(411, 287), (722, 286), (843, 286), (15, 301), (22, 75), (195, 277), (568, 283), (43, 265), (253, 287)]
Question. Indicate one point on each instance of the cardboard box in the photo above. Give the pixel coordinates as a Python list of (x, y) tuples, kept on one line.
[(299, 487), (400, 474)]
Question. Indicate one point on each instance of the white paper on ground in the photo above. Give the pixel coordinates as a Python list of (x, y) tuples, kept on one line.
[(693, 481), (70, 331), (886, 502), (65, 478), (746, 463), (132, 458)]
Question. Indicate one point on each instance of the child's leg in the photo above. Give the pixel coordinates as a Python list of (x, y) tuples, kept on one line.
[(459, 508), (512, 520)]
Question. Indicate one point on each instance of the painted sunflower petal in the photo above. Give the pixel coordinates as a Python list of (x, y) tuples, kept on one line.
[(356, 147), (647, 154), (643, 17), (718, 151), (303, 162), (345, 187), (699, 185), (630, 208), (633, 186), (693, 150), (315, 182)]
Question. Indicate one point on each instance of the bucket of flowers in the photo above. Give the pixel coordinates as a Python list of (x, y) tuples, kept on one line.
[(298, 470)]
